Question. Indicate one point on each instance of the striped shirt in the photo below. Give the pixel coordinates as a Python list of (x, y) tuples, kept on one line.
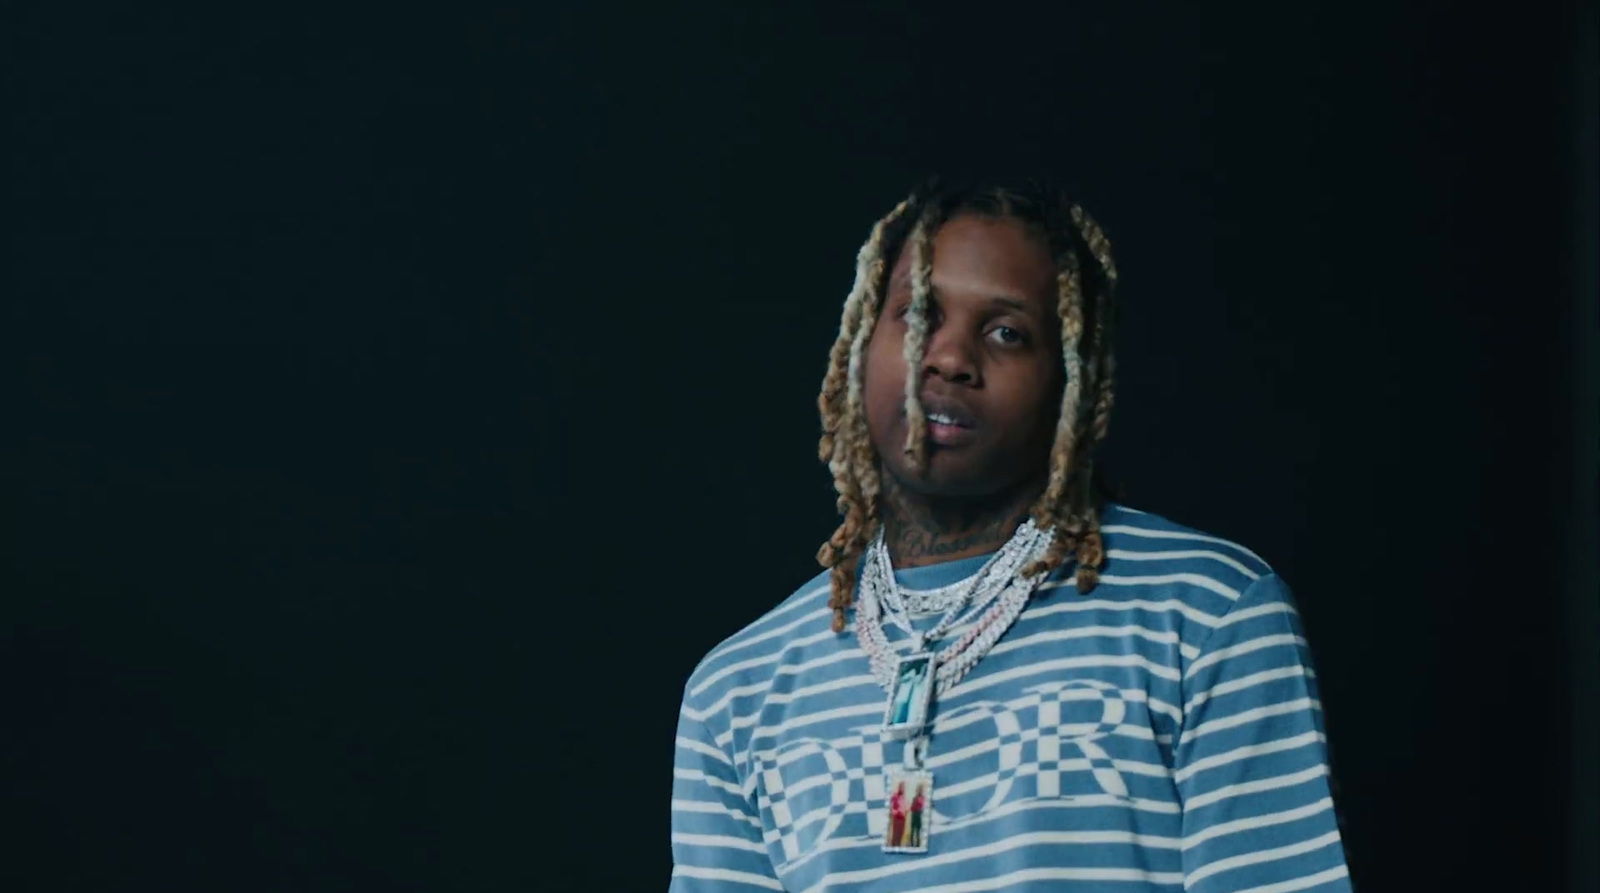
[(1162, 732)]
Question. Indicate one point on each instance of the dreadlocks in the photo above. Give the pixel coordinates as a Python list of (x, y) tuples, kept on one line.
[(1085, 282)]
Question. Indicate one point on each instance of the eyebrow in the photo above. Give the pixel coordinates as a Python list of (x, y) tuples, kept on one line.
[(1003, 300), (1006, 301), (1013, 303)]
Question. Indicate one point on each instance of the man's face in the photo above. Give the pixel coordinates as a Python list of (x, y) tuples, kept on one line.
[(992, 368)]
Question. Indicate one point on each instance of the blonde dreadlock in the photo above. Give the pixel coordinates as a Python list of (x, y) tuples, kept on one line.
[(1085, 283)]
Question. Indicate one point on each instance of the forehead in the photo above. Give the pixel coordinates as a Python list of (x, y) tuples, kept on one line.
[(987, 257)]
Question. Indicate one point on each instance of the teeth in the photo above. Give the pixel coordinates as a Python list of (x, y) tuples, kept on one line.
[(941, 419)]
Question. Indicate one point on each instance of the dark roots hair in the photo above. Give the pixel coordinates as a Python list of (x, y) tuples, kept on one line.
[(1085, 282)]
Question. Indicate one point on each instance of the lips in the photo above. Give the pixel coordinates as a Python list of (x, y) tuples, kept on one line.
[(950, 424), (947, 412)]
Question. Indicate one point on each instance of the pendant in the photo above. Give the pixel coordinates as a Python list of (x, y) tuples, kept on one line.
[(910, 696), (910, 791)]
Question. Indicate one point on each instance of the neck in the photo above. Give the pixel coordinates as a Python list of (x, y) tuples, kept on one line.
[(921, 529)]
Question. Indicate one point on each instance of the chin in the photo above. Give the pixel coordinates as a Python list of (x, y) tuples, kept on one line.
[(942, 480)]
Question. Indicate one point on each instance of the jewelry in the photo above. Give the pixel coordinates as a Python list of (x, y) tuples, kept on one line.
[(991, 601), (922, 602), (995, 596)]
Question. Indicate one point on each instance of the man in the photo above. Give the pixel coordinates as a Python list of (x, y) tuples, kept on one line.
[(1120, 702)]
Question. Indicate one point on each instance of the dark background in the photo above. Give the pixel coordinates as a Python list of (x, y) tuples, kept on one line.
[(399, 405)]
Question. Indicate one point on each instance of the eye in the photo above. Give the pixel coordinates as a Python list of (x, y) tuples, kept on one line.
[(1009, 336)]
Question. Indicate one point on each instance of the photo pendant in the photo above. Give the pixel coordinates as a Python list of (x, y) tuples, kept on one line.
[(910, 697), (910, 810)]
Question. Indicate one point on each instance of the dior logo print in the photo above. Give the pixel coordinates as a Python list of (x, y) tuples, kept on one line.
[(1049, 743)]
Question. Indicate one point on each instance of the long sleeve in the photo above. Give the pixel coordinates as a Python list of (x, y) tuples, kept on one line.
[(1251, 761), (716, 830)]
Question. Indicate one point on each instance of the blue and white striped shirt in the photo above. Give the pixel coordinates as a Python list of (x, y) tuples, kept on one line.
[(1162, 732)]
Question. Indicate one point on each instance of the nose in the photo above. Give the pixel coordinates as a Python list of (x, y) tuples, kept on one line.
[(950, 355)]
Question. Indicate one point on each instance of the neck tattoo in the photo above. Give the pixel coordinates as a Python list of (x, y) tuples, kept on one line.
[(919, 530)]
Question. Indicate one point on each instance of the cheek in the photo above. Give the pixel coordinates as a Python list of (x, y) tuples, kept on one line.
[(1036, 410), (883, 384), (881, 399)]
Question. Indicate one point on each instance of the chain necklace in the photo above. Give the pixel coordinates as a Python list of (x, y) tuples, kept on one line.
[(995, 596), (922, 602), (991, 601), (895, 608)]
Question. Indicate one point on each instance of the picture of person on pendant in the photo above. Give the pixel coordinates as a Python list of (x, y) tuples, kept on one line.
[(897, 814), (914, 833)]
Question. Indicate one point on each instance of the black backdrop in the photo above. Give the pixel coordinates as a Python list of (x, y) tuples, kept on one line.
[(402, 403)]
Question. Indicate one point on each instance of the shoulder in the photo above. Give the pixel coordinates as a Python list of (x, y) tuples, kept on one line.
[(1148, 555), (1141, 535), (751, 654)]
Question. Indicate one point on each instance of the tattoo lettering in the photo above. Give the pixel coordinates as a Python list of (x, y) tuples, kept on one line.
[(923, 531)]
